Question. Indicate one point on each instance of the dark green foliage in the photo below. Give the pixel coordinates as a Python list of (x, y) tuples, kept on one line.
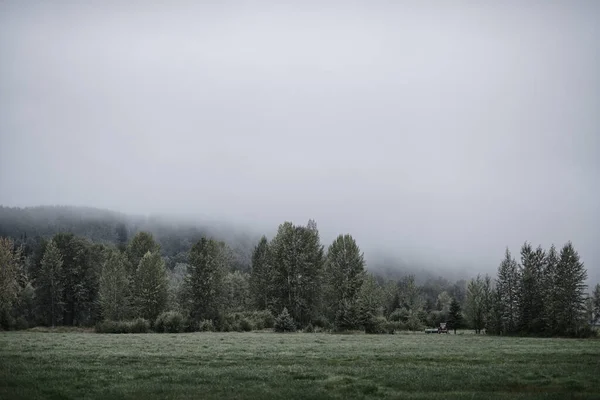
[(138, 325), (150, 287), (11, 281), (596, 304), (530, 293), (204, 284), (376, 325), (399, 315), (344, 275), (206, 326), (455, 319), (261, 276), (170, 322), (236, 292), (142, 243), (246, 325), (570, 292), (284, 322), (114, 287), (507, 286), (297, 257), (49, 287)]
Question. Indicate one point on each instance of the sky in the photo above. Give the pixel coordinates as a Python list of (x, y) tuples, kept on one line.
[(438, 132)]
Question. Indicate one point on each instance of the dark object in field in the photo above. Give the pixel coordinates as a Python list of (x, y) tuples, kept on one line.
[(443, 328)]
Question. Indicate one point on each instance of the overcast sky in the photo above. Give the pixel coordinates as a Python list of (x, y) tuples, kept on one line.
[(441, 131)]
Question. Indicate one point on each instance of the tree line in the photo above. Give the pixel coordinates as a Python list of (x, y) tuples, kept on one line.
[(293, 280)]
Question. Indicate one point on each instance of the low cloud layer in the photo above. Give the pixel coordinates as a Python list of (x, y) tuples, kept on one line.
[(440, 132)]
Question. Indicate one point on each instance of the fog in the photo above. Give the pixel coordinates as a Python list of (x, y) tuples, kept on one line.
[(438, 133)]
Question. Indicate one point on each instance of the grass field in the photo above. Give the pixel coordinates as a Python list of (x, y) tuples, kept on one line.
[(268, 365)]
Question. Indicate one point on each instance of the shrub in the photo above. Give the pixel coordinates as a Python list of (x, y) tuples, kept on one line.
[(392, 327), (139, 325), (206, 326), (263, 319), (399, 314), (246, 325), (170, 322), (414, 323), (322, 322), (376, 325), (284, 322), (309, 328)]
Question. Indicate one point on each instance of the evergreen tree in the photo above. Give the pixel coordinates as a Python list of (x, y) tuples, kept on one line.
[(596, 303), (344, 274), (113, 293), (204, 284), (284, 322), (476, 303), (297, 258), (49, 286), (140, 244), (531, 299), (261, 275), (549, 287), (370, 302), (10, 271), (151, 286), (507, 285), (237, 292), (79, 278), (570, 291)]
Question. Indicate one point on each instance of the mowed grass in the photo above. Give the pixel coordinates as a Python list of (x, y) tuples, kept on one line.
[(290, 366)]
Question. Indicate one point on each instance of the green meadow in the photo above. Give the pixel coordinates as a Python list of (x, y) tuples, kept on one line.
[(82, 365)]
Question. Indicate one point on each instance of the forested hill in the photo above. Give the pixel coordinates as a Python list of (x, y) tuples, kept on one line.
[(28, 225), (176, 237)]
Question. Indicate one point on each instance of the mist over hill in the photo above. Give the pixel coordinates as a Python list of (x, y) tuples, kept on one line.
[(176, 234)]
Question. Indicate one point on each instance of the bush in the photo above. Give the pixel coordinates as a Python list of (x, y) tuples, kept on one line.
[(170, 322), (392, 327), (246, 325), (376, 325), (399, 315), (322, 322), (284, 322), (139, 325), (206, 326), (309, 328)]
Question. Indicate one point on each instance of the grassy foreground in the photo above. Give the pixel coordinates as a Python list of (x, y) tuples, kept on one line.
[(269, 365)]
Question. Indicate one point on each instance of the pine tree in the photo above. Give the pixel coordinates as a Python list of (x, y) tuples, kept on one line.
[(204, 284), (284, 322), (549, 288), (344, 274), (10, 271), (113, 293), (261, 275), (570, 291), (596, 303), (507, 285), (49, 286), (140, 244), (531, 300), (151, 286), (455, 319)]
